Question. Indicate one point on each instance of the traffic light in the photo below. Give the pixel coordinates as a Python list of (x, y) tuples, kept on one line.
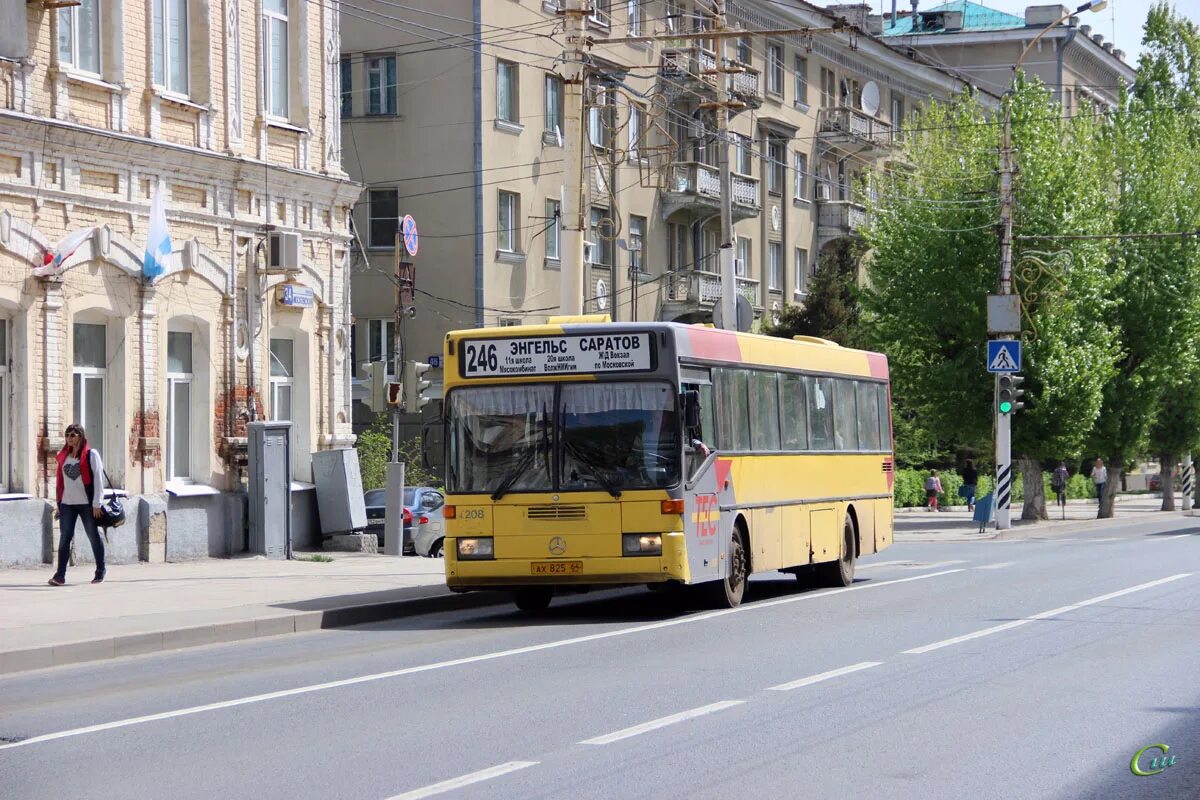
[(1009, 394), (415, 386), (377, 374)]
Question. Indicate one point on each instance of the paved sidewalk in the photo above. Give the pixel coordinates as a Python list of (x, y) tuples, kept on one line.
[(143, 608), (956, 524)]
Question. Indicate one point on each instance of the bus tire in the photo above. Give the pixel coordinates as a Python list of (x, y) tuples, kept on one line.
[(841, 572), (729, 591), (533, 599)]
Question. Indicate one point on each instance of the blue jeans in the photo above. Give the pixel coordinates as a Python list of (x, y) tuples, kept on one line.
[(66, 526)]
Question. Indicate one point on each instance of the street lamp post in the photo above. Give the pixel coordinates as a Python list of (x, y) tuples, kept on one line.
[(1004, 472)]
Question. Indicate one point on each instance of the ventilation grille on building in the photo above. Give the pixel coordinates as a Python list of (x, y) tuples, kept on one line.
[(556, 512)]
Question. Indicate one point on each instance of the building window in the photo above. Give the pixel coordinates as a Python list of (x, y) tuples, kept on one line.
[(381, 85), (385, 217), (601, 115), (508, 322), (89, 373), (636, 117), (741, 264), (801, 75), (283, 372), (79, 36), (508, 226), (636, 17), (347, 87), (745, 161), (179, 404), (601, 12), (4, 390), (800, 179), (775, 69), (170, 45), (898, 110), (828, 88), (775, 265), (776, 165), (637, 244), (743, 49), (801, 285), (553, 229), (507, 99), (276, 70), (554, 105), (677, 239), (602, 246), (381, 343)]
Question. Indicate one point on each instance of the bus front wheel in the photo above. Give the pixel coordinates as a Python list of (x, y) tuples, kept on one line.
[(533, 599), (728, 592), (840, 572)]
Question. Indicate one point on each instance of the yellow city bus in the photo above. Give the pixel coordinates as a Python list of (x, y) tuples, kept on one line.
[(586, 453)]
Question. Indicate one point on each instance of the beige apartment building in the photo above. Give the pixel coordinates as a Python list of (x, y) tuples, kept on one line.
[(227, 110), (425, 111), (1085, 73)]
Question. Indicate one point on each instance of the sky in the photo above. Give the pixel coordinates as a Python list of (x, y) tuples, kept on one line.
[(1121, 22)]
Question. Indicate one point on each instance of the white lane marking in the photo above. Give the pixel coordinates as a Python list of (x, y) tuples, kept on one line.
[(1001, 565), (259, 698), (874, 564), (1044, 615), (1105, 539), (662, 722), (1166, 538), (464, 780), (824, 676), (935, 564)]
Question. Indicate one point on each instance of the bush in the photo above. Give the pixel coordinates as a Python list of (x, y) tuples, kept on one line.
[(909, 488), (375, 451)]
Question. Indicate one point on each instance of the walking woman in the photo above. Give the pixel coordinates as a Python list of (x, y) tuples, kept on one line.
[(80, 493)]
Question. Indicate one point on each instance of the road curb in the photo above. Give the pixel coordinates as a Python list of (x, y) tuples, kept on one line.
[(109, 647), (1047, 528)]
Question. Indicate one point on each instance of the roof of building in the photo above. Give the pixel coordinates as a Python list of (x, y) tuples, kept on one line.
[(976, 17)]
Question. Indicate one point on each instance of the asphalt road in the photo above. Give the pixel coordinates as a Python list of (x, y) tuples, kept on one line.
[(1026, 669)]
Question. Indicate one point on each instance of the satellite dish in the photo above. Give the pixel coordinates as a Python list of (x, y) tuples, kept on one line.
[(601, 294), (745, 314), (870, 98)]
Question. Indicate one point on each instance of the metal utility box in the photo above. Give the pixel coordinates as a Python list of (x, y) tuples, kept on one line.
[(339, 491), (269, 492)]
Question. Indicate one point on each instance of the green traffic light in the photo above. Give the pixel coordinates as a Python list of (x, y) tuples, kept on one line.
[(1005, 407)]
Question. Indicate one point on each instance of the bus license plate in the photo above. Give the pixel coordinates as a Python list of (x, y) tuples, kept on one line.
[(557, 567)]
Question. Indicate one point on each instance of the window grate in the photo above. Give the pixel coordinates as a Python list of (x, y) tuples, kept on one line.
[(556, 512)]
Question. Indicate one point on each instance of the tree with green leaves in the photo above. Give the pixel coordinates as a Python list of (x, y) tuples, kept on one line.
[(830, 311), (935, 258)]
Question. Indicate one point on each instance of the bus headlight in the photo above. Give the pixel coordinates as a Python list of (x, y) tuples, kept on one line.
[(479, 547), (641, 544)]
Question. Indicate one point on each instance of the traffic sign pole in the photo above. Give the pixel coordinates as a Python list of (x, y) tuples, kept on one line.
[(1002, 494)]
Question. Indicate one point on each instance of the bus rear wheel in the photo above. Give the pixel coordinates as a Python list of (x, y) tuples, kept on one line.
[(840, 572), (729, 591), (533, 599)]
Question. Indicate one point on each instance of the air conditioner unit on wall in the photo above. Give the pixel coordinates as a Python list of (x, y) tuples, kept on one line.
[(823, 192), (283, 252)]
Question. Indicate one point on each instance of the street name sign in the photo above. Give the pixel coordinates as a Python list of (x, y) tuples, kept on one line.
[(1003, 355)]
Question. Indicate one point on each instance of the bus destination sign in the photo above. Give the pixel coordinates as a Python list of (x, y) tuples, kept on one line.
[(554, 355)]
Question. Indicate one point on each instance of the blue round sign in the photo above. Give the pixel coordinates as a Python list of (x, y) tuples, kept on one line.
[(408, 229)]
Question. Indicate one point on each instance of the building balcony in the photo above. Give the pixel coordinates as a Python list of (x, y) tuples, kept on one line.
[(838, 218), (691, 295), (854, 131), (697, 187), (746, 85), (690, 69)]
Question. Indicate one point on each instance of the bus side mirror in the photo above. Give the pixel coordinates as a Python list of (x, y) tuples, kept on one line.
[(691, 409)]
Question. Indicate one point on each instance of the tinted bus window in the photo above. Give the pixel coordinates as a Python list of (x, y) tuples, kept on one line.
[(764, 409), (885, 420), (733, 412), (819, 397), (845, 415), (868, 416), (792, 417)]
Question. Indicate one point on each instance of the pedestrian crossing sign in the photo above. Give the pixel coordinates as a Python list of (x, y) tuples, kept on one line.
[(1003, 355)]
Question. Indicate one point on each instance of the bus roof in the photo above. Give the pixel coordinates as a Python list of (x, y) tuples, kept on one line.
[(702, 343)]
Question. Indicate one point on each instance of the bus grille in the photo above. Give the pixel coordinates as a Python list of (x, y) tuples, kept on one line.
[(556, 512)]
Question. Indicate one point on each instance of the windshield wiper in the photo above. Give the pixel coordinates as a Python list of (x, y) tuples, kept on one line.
[(578, 455), (523, 464)]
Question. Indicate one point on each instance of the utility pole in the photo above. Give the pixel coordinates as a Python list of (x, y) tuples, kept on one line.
[(728, 281), (397, 343), (574, 74), (1004, 472)]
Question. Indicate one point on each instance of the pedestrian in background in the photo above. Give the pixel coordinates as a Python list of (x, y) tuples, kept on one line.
[(1099, 477), (933, 487), (1058, 482), (79, 494), (970, 485)]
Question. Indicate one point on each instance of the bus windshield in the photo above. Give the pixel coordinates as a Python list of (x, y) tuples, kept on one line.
[(587, 436)]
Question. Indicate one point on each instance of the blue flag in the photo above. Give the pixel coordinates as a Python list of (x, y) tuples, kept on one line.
[(158, 240)]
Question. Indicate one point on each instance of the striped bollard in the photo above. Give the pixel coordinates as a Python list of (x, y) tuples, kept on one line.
[(1003, 493), (1189, 476)]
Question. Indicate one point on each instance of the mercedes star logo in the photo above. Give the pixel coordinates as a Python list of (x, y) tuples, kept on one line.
[(558, 546)]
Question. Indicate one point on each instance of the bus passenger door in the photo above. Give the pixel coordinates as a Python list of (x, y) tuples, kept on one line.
[(702, 511)]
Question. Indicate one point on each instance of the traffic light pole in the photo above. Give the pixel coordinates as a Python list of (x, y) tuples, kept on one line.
[(1002, 494)]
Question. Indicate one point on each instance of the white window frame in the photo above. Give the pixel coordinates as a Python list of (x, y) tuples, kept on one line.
[(637, 243), (637, 118), (637, 16), (677, 245), (801, 264), (602, 250), (601, 13), (385, 93), (774, 266), (554, 122), (745, 155), (800, 178), (162, 13), (741, 264), (70, 17), (174, 381), (508, 225), (775, 69), (776, 165), (80, 377), (271, 106), (553, 229), (512, 114), (279, 382), (800, 73), (381, 338)]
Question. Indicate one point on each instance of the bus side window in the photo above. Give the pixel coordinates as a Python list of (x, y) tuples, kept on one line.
[(705, 433)]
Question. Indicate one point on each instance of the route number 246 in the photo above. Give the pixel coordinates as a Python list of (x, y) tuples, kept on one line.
[(481, 357)]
